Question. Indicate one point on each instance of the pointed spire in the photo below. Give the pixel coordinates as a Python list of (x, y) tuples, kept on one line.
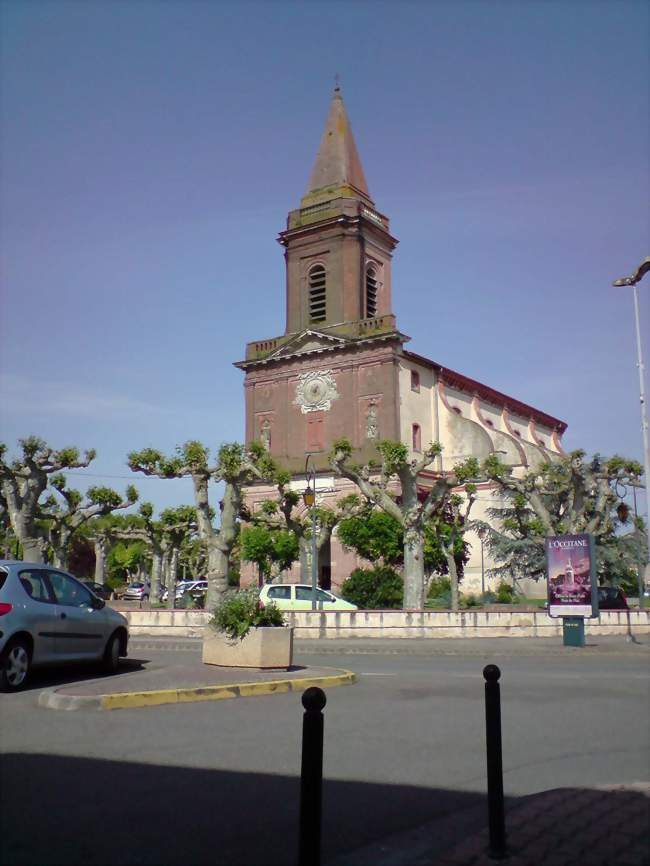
[(337, 171)]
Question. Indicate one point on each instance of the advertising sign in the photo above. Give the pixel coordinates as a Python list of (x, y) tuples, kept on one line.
[(571, 575)]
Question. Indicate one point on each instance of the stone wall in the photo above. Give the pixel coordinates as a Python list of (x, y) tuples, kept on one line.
[(400, 624)]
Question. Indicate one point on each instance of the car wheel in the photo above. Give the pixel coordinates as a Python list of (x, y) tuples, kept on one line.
[(15, 663), (111, 659)]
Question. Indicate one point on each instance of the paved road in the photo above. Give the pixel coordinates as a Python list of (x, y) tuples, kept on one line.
[(217, 783)]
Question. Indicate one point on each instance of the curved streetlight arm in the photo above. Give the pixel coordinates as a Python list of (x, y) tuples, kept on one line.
[(632, 281)]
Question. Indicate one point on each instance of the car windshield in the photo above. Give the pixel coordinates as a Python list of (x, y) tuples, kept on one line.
[(137, 585)]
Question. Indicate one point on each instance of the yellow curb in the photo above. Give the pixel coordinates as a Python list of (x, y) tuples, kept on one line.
[(130, 700)]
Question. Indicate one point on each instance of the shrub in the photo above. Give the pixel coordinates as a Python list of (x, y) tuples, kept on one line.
[(380, 587), (488, 597), (470, 600), (241, 610), (505, 593), (440, 587)]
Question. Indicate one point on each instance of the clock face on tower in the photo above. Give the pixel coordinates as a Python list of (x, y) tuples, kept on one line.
[(315, 391)]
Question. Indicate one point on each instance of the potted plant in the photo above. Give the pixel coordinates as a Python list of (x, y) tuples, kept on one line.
[(244, 633)]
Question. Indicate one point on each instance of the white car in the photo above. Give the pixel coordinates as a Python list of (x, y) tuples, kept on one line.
[(297, 596), (193, 587)]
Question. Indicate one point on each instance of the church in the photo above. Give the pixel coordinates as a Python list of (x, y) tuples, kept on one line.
[(342, 367)]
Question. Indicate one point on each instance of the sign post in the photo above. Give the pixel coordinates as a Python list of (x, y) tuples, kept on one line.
[(572, 586)]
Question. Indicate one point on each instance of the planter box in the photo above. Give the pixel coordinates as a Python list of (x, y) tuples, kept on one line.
[(263, 647)]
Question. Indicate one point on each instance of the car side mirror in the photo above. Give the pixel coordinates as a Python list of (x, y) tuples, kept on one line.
[(97, 603)]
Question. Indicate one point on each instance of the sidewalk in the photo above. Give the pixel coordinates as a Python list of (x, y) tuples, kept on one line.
[(185, 681), (604, 826), (595, 827)]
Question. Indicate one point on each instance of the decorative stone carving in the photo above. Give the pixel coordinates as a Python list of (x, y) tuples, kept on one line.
[(265, 434), (372, 428), (315, 391)]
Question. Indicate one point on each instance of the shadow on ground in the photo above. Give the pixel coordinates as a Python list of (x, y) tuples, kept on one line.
[(78, 672), (60, 810), (73, 811)]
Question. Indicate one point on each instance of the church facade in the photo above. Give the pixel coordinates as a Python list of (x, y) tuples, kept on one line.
[(342, 369)]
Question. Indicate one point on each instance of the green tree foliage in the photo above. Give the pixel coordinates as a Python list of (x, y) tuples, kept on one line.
[(374, 588), (124, 560), (373, 535), (376, 536)]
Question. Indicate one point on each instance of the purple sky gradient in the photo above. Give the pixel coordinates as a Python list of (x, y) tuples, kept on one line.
[(151, 152)]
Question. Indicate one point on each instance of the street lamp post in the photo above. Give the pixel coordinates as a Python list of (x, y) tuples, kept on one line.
[(309, 498), (481, 536), (632, 280)]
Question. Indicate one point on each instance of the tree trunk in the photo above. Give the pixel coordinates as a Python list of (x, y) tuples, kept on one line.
[(172, 569), (32, 549), (156, 571), (217, 575), (100, 560), (453, 579), (413, 573)]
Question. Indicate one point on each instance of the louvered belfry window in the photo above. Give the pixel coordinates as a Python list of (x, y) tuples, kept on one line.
[(371, 293), (317, 294)]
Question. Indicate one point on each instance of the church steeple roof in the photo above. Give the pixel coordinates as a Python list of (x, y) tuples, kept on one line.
[(337, 172)]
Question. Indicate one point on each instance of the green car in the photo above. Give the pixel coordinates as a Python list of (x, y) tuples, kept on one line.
[(297, 596)]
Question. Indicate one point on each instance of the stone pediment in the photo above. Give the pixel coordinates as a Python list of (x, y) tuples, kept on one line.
[(306, 342)]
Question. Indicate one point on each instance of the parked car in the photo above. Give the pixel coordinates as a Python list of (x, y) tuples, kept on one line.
[(611, 598), (99, 589), (297, 596), (138, 590), (180, 589), (198, 589), (195, 588), (47, 616)]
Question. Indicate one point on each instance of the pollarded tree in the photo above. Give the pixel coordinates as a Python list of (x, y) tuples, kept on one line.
[(62, 522), (177, 525), (570, 496), (24, 480), (411, 512), (236, 466), (377, 537), (287, 518), (567, 496), (448, 525)]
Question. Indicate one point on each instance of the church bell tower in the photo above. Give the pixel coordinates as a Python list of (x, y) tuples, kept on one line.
[(338, 246), (333, 372)]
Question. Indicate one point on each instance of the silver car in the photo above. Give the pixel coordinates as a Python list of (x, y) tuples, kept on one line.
[(47, 616)]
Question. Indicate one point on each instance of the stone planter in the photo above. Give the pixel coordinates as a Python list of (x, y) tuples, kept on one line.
[(263, 647)]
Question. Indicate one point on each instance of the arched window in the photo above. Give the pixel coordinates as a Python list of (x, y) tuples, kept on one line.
[(371, 292), (317, 292), (417, 437)]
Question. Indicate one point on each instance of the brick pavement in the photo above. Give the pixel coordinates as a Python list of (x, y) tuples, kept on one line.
[(606, 826)]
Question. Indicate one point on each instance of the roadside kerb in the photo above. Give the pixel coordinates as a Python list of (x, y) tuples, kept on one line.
[(53, 700)]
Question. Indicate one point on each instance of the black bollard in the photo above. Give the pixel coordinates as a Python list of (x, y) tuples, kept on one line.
[(496, 810), (311, 777)]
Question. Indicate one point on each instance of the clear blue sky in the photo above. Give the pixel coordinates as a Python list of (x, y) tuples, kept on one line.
[(151, 152)]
